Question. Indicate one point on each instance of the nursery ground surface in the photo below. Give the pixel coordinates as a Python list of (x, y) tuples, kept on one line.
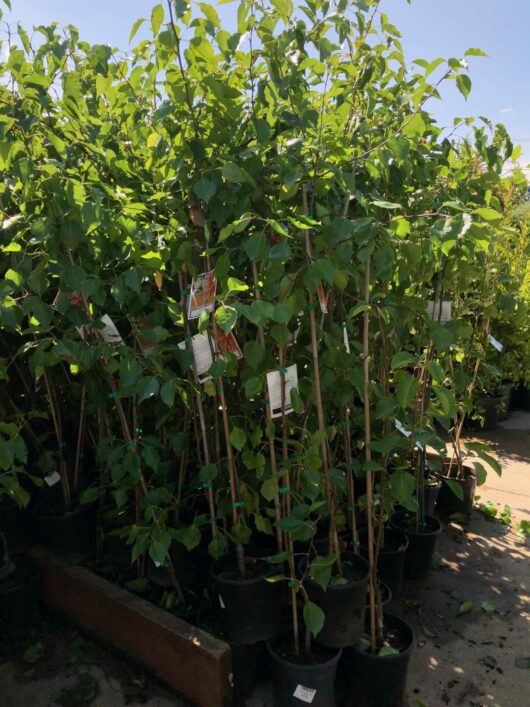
[(471, 617)]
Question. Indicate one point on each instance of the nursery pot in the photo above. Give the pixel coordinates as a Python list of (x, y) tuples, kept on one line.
[(72, 533), (431, 493), (343, 604), (448, 501), (391, 562), (19, 596), (250, 606), (13, 523), (374, 680), (490, 408), (295, 682), (421, 544), (386, 595)]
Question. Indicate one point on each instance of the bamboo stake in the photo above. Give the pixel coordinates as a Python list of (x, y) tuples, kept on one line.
[(272, 449), (368, 454), (333, 539), (80, 436)]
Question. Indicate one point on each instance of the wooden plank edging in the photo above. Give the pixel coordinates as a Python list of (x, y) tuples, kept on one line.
[(191, 661)]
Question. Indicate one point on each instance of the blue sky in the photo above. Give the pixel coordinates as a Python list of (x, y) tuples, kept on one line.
[(430, 28)]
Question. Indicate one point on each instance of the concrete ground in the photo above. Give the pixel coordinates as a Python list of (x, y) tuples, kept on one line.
[(480, 658)]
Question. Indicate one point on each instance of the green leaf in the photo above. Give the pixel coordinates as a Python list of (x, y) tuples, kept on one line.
[(407, 388), (235, 285), (89, 495), (269, 489), (474, 51), (464, 84), (415, 127), (148, 386), (205, 189), (402, 486), (136, 26), (238, 438), (488, 214), (387, 650), (158, 551), (157, 17), (320, 569), (313, 618), (190, 537), (236, 175), (488, 606), (401, 359), (226, 317), (167, 393), (465, 608)]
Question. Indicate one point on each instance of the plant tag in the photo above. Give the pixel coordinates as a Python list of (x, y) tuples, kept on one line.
[(109, 333), (227, 343), (52, 478), (305, 694), (322, 299), (274, 384), (496, 344), (221, 602), (202, 355), (202, 298), (400, 428), (157, 564), (345, 337), (441, 311)]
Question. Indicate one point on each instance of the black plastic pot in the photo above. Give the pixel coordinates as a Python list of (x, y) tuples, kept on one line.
[(421, 544), (20, 596), (386, 596), (250, 608), (14, 524), (244, 668), (391, 562), (343, 604), (378, 681), (73, 533), (295, 684), (490, 409), (520, 397), (449, 503)]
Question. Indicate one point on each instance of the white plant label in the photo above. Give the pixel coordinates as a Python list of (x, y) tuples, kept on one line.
[(274, 384), (401, 428), (221, 602), (157, 564), (109, 333), (496, 344), (439, 310), (345, 338), (52, 478), (202, 354), (305, 694)]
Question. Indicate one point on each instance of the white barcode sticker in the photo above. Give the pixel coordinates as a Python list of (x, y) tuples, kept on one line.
[(52, 478), (221, 602), (496, 344), (305, 694)]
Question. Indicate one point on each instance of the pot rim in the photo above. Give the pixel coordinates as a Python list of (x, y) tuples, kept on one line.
[(397, 656), (418, 534), (301, 666), (338, 587), (401, 548), (219, 564)]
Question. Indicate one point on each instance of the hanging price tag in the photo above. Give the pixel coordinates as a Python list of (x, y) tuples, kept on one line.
[(202, 354), (322, 299), (274, 384), (221, 602), (202, 298)]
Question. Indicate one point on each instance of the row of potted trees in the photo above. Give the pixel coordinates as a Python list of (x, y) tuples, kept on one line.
[(249, 292)]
